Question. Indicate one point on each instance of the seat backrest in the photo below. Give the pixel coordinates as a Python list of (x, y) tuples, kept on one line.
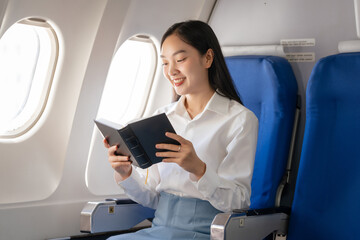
[(267, 86), (326, 202)]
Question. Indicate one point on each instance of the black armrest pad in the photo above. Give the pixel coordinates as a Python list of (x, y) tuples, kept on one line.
[(263, 211), (119, 201)]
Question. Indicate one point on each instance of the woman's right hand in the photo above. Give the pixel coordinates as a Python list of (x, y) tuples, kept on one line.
[(121, 164)]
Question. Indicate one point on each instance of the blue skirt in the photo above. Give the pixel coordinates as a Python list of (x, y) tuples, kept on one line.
[(177, 218)]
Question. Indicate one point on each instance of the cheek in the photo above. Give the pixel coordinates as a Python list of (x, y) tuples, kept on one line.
[(190, 67), (165, 72), (166, 75), (171, 83)]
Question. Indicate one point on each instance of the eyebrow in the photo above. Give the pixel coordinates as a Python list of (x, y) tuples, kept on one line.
[(175, 53)]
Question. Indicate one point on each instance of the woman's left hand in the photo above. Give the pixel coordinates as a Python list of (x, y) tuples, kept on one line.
[(184, 155)]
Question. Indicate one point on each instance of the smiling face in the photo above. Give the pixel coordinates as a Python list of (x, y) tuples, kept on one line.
[(185, 67)]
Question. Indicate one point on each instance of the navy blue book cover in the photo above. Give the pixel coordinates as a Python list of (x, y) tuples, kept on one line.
[(151, 131), (138, 139)]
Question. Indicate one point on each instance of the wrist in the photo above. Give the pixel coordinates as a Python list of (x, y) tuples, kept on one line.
[(121, 176), (200, 172)]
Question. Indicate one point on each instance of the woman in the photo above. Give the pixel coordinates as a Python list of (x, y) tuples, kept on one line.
[(210, 172)]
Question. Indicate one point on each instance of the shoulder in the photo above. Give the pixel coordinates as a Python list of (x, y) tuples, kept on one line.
[(242, 121), (240, 112), (231, 111)]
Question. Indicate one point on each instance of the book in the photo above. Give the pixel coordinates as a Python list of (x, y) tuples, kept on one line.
[(138, 139)]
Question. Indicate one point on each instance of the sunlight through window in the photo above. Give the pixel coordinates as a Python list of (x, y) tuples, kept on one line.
[(27, 56), (128, 81)]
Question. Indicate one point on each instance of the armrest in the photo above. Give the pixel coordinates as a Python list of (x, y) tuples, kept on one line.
[(249, 224), (112, 215)]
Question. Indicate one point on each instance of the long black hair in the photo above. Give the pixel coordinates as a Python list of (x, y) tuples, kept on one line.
[(200, 35)]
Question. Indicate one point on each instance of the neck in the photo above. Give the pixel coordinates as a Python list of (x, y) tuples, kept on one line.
[(195, 103)]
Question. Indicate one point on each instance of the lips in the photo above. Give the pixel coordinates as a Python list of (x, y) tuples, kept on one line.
[(178, 81)]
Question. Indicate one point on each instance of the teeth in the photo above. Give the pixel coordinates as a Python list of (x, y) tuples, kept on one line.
[(178, 80)]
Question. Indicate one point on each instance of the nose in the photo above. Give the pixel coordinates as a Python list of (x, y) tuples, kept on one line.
[(172, 69)]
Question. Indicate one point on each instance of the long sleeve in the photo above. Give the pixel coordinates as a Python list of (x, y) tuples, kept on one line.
[(136, 189), (229, 186)]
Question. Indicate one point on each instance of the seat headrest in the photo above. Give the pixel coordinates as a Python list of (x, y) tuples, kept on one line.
[(349, 46), (270, 50)]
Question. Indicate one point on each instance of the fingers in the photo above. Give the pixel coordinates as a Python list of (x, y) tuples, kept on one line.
[(173, 152), (106, 143), (118, 164), (121, 164), (170, 160), (115, 157), (167, 154), (176, 137), (171, 147)]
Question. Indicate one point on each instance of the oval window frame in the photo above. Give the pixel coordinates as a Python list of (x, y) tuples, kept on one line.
[(98, 173), (47, 75)]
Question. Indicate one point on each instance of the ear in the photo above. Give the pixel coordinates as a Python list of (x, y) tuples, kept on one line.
[(209, 58)]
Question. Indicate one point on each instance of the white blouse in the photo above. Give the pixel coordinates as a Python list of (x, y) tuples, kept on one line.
[(224, 136)]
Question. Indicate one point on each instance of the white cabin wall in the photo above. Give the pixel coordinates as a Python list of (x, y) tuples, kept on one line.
[(3, 5), (32, 164), (357, 16)]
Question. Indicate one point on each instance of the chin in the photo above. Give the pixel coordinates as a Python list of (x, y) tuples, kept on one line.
[(180, 92)]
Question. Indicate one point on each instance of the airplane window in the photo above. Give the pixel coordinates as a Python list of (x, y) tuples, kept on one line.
[(27, 57), (124, 98), (129, 80)]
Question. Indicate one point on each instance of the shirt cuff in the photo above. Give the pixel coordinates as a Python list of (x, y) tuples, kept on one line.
[(132, 181), (208, 183)]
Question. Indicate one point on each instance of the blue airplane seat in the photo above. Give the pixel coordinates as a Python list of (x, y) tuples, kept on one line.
[(267, 86), (327, 195)]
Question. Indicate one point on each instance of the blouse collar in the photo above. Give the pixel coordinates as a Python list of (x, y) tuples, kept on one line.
[(217, 103)]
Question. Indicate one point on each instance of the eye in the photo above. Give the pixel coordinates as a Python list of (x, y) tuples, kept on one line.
[(164, 64), (181, 60)]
